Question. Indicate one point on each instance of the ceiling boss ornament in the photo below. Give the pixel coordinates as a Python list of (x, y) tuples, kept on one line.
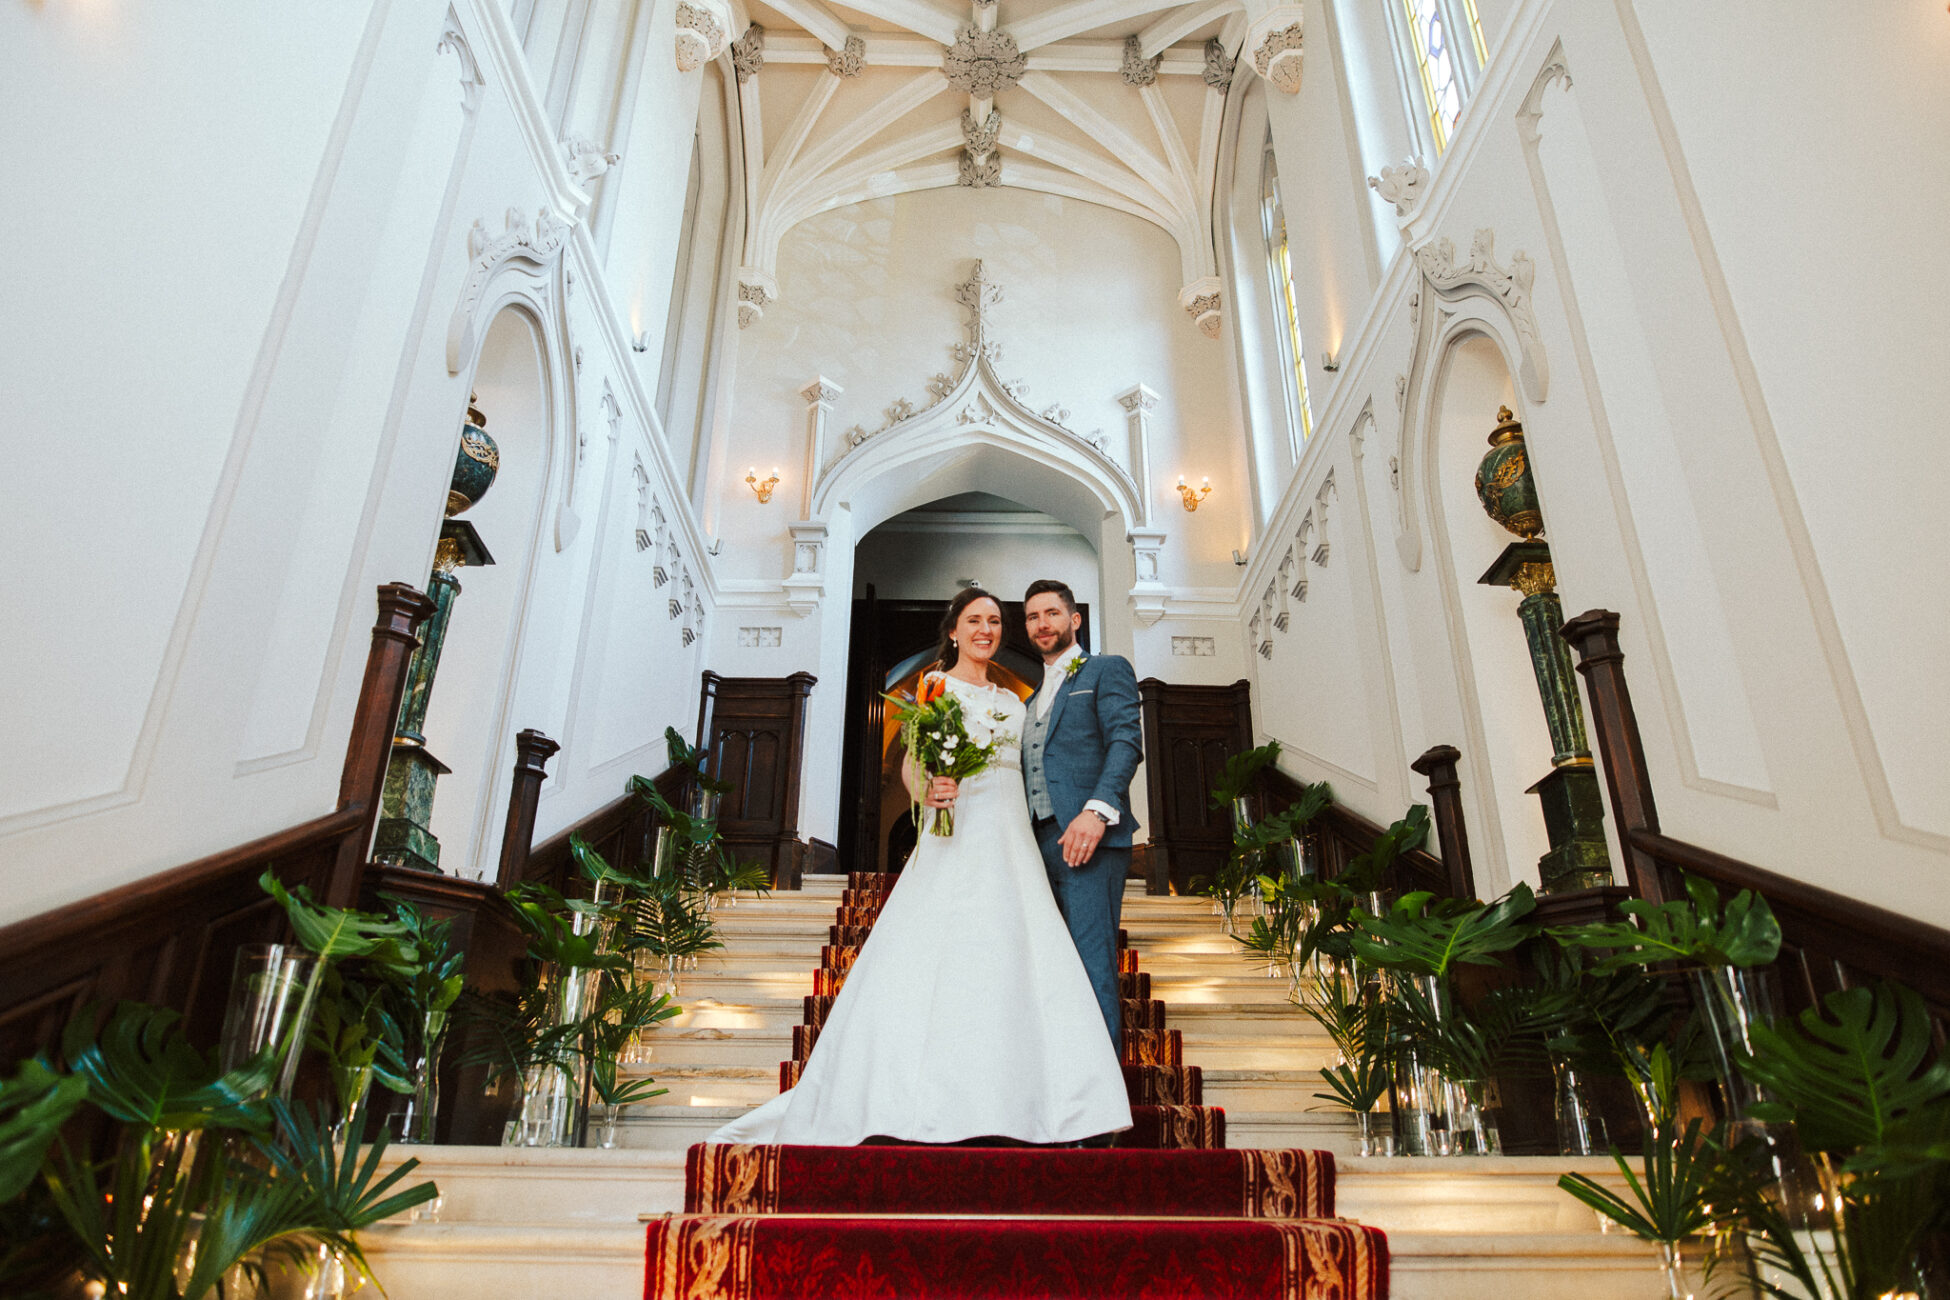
[(981, 63)]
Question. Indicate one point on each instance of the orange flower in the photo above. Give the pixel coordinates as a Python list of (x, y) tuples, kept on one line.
[(932, 689)]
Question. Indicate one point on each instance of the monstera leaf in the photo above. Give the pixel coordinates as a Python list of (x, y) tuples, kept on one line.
[(1694, 929), (332, 933), (142, 1071), (34, 1104), (1424, 935), (1851, 1071), (1236, 775)]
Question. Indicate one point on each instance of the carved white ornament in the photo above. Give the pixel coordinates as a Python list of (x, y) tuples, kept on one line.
[(1276, 42), (538, 243), (1201, 647), (850, 61), (981, 63), (1402, 185), (703, 27), (1510, 287), (453, 37), (1200, 299)]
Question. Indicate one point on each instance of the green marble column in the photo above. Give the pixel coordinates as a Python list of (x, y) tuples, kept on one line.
[(406, 804), (1573, 809)]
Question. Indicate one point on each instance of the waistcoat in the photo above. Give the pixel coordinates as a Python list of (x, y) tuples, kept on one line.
[(1035, 731)]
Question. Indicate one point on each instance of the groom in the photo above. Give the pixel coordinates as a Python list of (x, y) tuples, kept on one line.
[(1080, 745)]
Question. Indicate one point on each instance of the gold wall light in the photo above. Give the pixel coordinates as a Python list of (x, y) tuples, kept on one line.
[(762, 488), (1193, 495)]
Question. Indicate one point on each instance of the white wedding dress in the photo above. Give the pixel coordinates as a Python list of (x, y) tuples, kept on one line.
[(968, 1012)]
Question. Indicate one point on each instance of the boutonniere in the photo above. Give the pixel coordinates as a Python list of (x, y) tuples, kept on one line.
[(1071, 670)]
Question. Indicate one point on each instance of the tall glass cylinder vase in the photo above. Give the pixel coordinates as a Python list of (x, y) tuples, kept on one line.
[(1580, 1129), (273, 988), (419, 1116), (1731, 1002)]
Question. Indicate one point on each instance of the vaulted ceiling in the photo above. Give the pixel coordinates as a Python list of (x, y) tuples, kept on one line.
[(1112, 102)]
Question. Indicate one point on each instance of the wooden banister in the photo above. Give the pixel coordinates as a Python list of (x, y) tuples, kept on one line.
[(1828, 940)]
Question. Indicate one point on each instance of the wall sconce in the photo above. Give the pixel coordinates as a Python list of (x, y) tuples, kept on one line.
[(640, 341), (1190, 495), (1329, 362), (763, 490)]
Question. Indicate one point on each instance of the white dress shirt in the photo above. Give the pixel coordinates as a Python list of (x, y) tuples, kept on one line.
[(1054, 675)]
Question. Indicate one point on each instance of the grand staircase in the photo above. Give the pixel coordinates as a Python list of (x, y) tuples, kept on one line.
[(567, 1222)]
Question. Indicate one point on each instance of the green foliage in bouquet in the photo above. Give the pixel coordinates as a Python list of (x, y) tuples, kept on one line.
[(1856, 1079), (1236, 776), (202, 1173), (1424, 935), (1682, 1185), (1358, 1022)]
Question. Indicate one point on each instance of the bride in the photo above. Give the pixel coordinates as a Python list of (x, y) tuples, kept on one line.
[(968, 1012)]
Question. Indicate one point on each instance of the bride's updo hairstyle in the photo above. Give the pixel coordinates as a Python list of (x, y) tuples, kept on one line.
[(946, 654)]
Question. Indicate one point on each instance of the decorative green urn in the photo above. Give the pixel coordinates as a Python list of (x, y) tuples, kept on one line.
[(475, 464), (1503, 480)]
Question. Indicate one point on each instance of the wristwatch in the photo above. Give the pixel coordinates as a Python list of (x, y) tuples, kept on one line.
[(1098, 813)]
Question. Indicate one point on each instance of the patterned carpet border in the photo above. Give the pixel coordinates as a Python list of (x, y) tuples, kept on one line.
[(796, 1258), (890, 1180)]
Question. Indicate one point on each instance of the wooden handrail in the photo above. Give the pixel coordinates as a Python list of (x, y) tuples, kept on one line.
[(1829, 940)]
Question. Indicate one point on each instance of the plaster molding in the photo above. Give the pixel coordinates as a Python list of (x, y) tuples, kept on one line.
[(806, 585), (534, 246), (755, 289), (1148, 593), (1480, 273), (980, 63), (703, 28), (1201, 300), (1531, 111), (453, 36), (587, 159), (1403, 185), (849, 62), (1276, 39)]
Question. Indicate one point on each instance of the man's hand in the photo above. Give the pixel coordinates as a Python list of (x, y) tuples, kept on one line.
[(942, 791), (1080, 839)]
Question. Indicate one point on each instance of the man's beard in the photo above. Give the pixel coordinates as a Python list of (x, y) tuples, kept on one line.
[(1064, 640)]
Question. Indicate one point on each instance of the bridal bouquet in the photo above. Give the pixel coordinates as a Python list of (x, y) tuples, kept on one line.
[(939, 736)]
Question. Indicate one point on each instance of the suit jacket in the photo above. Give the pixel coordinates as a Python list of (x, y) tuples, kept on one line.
[(1094, 743)]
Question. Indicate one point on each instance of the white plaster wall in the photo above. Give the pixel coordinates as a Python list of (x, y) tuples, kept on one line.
[(908, 563), (239, 345)]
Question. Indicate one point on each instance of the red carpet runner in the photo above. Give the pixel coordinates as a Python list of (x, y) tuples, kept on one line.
[(1009, 1180), (1169, 1213), (754, 1258)]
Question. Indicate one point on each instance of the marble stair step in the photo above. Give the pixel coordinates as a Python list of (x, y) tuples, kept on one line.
[(534, 1223)]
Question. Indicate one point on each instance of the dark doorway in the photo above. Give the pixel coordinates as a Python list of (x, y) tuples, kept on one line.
[(892, 642)]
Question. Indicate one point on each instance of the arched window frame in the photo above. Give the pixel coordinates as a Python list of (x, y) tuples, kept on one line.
[(1286, 302), (1430, 77)]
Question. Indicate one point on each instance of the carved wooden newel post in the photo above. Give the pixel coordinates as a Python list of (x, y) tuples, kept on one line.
[(1445, 794), (1593, 635), (394, 639), (532, 752)]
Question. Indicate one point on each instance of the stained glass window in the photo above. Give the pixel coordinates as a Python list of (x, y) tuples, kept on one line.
[(1274, 215), (1436, 64)]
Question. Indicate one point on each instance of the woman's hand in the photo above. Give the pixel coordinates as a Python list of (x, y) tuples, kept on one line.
[(941, 792)]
